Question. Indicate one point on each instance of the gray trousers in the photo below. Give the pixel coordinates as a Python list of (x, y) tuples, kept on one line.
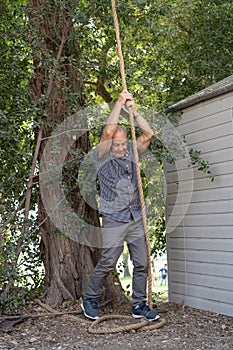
[(114, 234)]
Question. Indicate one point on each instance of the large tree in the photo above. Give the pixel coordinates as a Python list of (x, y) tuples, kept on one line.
[(57, 91), (62, 54)]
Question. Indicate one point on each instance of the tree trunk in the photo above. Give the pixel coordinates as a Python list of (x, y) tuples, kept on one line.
[(57, 92)]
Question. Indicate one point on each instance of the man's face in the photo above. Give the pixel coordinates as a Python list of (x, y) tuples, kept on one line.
[(119, 145)]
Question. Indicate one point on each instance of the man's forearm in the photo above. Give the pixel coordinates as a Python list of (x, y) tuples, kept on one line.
[(112, 121), (115, 113), (143, 124)]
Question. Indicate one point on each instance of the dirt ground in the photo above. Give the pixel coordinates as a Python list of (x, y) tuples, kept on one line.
[(185, 328)]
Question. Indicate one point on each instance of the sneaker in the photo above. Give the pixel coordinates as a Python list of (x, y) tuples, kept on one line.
[(142, 310), (90, 308)]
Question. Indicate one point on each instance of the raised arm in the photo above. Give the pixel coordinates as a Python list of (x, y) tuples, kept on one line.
[(111, 123), (144, 139)]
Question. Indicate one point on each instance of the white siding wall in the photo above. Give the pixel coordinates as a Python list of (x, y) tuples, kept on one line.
[(200, 219)]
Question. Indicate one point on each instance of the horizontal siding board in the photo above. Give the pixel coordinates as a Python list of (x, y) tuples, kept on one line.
[(208, 220), (197, 180), (198, 280), (202, 110), (220, 139), (203, 304), (216, 169), (222, 193), (219, 156), (217, 307), (201, 256), (224, 270), (209, 122), (201, 184), (212, 207), (207, 232), (208, 293), (202, 244), (202, 220), (206, 134), (225, 193)]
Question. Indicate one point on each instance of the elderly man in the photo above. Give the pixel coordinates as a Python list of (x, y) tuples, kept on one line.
[(120, 209)]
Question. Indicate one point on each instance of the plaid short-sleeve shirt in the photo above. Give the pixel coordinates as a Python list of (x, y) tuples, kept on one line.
[(119, 195)]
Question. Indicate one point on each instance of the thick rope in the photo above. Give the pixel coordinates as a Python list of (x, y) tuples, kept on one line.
[(92, 328), (125, 328), (135, 151), (102, 330)]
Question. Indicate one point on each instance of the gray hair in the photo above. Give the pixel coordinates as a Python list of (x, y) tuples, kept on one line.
[(120, 128)]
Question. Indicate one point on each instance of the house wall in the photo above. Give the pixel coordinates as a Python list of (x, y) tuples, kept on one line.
[(199, 212)]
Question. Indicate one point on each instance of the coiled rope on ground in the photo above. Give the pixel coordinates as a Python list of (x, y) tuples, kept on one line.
[(124, 328)]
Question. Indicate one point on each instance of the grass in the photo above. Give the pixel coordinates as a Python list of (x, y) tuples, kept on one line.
[(160, 293)]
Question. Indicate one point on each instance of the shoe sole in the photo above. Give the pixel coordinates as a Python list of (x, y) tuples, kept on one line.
[(88, 316), (150, 320)]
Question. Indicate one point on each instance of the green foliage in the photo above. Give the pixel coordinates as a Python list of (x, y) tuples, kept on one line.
[(18, 297), (157, 234), (16, 138), (176, 51), (16, 147), (162, 296), (201, 164), (171, 49)]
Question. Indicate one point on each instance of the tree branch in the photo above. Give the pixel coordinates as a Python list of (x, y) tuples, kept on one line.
[(102, 90), (183, 27)]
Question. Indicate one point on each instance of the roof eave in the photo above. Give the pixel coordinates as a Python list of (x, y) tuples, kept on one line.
[(222, 87)]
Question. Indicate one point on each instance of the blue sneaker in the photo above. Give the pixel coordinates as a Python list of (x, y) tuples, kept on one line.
[(90, 308), (142, 310)]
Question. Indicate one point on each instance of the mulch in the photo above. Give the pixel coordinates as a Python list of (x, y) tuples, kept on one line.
[(185, 328)]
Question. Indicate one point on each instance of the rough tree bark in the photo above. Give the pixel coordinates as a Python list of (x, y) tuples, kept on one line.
[(68, 264)]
